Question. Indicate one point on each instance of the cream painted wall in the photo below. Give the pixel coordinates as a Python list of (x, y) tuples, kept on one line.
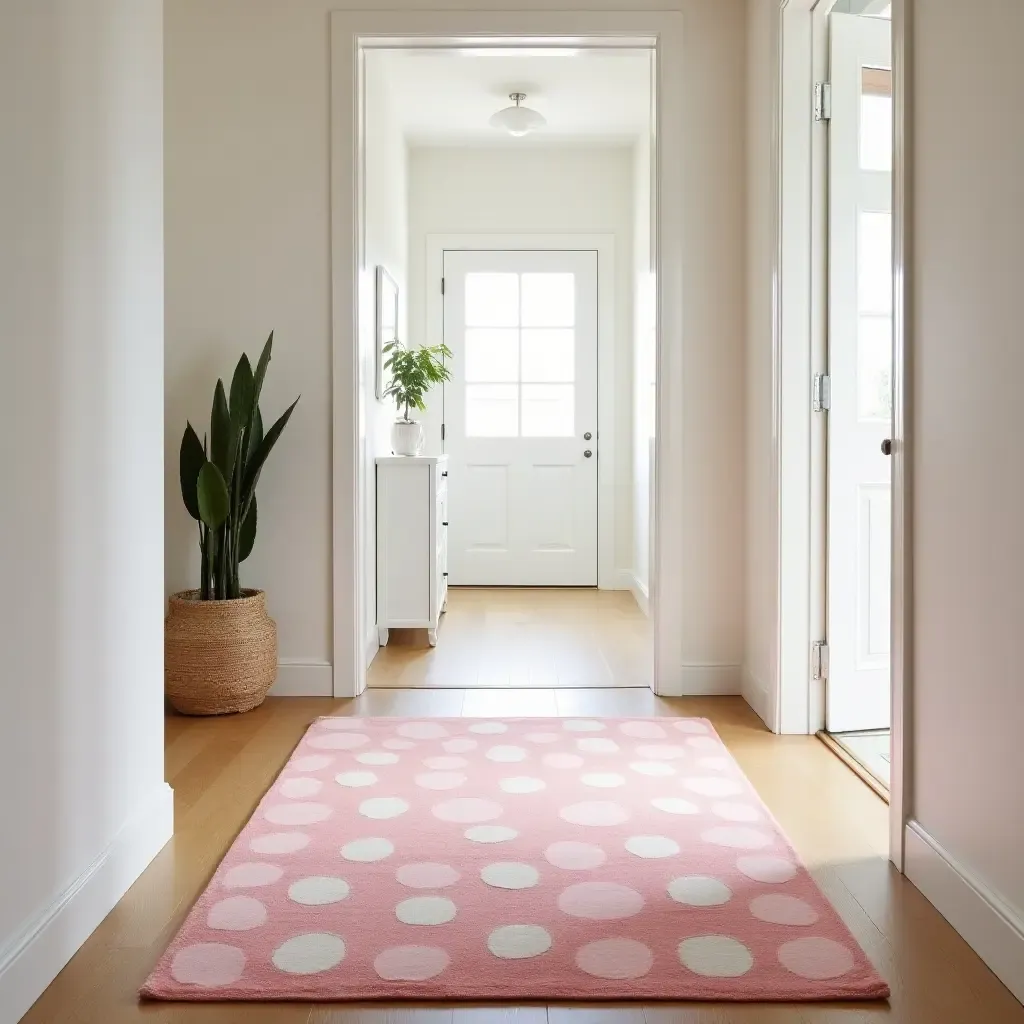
[(387, 238), (84, 805), (563, 190), (761, 501), (248, 240), (968, 506)]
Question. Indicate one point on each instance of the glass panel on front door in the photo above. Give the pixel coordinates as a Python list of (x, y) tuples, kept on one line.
[(520, 354)]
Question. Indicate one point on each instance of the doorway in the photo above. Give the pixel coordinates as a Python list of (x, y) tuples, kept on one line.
[(858, 389)]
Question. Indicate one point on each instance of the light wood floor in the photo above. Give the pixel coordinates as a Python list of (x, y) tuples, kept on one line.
[(219, 768), (524, 637)]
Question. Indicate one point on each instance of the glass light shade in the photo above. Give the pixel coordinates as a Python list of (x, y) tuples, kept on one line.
[(518, 120)]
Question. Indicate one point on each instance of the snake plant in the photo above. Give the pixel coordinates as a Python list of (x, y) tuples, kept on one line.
[(218, 482)]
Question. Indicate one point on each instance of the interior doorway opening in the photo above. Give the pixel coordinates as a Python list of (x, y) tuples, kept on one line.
[(531, 258)]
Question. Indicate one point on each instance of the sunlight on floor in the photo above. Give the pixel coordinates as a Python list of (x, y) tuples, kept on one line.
[(870, 749)]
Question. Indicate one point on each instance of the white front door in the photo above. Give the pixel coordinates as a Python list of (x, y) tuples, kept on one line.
[(860, 370), (520, 417)]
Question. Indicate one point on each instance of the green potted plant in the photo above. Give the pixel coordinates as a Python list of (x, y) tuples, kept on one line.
[(220, 643), (413, 373)]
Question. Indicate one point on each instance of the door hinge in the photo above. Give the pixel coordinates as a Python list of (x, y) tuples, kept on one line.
[(822, 101), (819, 660), (821, 393), (442, 431), (442, 286)]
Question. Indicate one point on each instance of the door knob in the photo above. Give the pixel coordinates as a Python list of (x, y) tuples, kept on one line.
[(587, 453), (587, 436), (887, 446)]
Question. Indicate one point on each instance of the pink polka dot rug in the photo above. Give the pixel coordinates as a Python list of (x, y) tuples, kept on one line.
[(554, 859)]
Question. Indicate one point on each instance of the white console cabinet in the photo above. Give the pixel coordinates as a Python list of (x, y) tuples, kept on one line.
[(412, 543)]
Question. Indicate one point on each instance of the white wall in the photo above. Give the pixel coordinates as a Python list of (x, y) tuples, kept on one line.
[(81, 521), (387, 235), (535, 190), (968, 472), (762, 515), (248, 236)]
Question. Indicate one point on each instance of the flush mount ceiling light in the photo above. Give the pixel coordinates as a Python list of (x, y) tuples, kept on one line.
[(517, 120)]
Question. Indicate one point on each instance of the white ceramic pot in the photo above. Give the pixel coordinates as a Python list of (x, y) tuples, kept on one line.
[(406, 437)]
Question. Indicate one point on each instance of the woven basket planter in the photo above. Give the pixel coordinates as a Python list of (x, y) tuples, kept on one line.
[(219, 656)]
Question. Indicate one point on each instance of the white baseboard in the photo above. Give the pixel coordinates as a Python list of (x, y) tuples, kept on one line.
[(989, 925), (755, 693), (304, 679), (37, 954), (372, 645), (631, 583), (710, 680)]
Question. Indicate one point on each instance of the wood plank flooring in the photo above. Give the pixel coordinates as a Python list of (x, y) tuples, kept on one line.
[(219, 769)]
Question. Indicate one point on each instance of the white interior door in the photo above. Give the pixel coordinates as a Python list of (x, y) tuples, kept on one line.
[(860, 369), (520, 417)]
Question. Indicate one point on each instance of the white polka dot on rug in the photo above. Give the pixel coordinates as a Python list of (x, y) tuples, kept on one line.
[(236, 914), (444, 764), (652, 847), (368, 850), (382, 807), (337, 740), (739, 837), (510, 875), (309, 763), (521, 784), (562, 760), (440, 780), (506, 753), (459, 745), (244, 876), (490, 834), (699, 891), (615, 959), (310, 953), (488, 728), (603, 780), (716, 764), (355, 780), (597, 813), (712, 786), (715, 956), (542, 737), (771, 870), (425, 910), (600, 901), (341, 724), (427, 875), (573, 856), (652, 768), (597, 745), (691, 725), (643, 730), (318, 890), (780, 908), (279, 842), (411, 963), (298, 788), (816, 958), (297, 814), (518, 941), (208, 965), (674, 805), (583, 725), (661, 751), (467, 810), (706, 743), (729, 811), (422, 730), (377, 757), (396, 744)]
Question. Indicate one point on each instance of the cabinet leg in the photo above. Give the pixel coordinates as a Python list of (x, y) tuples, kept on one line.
[(382, 637), (432, 637)]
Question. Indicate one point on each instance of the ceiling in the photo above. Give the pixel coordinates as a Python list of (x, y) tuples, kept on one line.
[(446, 97)]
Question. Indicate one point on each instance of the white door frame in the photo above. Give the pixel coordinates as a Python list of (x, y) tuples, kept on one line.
[(800, 335), (609, 576), (352, 33)]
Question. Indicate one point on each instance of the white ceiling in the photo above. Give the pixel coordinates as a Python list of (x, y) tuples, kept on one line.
[(446, 97)]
